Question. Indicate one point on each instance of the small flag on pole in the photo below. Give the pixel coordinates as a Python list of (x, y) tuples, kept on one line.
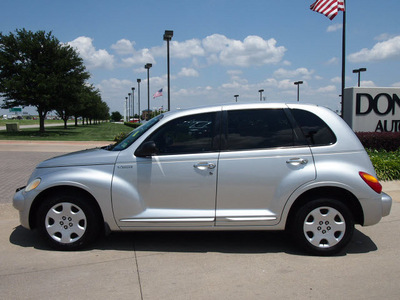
[(329, 8), (158, 94)]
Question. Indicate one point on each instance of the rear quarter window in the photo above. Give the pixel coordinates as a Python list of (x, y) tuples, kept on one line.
[(316, 131)]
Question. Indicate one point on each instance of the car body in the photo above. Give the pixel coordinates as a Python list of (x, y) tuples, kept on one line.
[(226, 167)]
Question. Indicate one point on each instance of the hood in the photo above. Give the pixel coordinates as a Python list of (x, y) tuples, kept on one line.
[(88, 157)]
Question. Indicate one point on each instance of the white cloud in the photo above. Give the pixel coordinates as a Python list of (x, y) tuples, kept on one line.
[(334, 27), (389, 49), (93, 58), (396, 84), (188, 72), (253, 51), (300, 73), (143, 57), (332, 61), (327, 89), (185, 49), (384, 37), (123, 47), (285, 84), (367, 83), (234, 72), (336, 79)]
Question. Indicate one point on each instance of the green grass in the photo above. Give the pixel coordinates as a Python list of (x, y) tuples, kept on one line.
[(100, 132)]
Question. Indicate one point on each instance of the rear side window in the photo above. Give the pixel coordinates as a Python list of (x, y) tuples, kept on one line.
[(258, 129), (316, 131)]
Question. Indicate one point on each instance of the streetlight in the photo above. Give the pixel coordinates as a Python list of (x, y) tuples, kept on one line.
[(133, 102), (167, 37), (359, 71), (260, 91), (236, 96), (298, 89), (126, 108), (129, 107), (138, 84), (148, 66)]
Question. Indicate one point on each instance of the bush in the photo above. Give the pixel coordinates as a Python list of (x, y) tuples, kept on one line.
[(133, 125), (386, 163), (389, 141), (121, 136)]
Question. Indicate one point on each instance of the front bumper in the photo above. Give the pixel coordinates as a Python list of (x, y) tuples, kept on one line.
[(22, 204)]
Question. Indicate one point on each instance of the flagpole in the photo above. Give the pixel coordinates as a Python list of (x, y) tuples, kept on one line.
[(343, 56)]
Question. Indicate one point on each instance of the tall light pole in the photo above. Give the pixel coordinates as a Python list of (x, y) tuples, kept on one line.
[(148, 66), (236, 96), (133, 102), (126, 109), (260, 91), (359, 71), (298, 89), (129, 107), (167, 37), (138, 85)]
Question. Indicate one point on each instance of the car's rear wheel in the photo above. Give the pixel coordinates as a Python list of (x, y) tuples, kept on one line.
[(323, 226), (67, 222)]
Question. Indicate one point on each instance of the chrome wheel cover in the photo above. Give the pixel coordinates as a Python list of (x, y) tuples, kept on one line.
[(324, 227), (65, 222)]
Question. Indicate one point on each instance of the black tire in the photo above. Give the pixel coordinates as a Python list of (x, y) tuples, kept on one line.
[(323, 226), (67, 222)]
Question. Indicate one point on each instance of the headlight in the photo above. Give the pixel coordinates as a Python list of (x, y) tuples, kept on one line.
[(33, 185)]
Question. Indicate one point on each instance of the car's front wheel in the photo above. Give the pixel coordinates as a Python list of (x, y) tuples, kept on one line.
[(323, 226), (67, 222)]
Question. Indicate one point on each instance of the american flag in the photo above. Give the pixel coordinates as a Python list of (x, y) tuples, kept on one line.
[(329, 8), (158, 94)]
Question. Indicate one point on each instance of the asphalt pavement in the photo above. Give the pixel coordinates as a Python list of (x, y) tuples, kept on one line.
[(186, 265)]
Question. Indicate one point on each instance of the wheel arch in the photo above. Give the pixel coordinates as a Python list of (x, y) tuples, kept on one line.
[(72, 190), (336, 193)]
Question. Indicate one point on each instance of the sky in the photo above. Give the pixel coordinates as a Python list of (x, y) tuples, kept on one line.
[(220, 48)]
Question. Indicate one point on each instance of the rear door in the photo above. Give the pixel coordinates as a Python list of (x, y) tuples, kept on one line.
[(261, 164)]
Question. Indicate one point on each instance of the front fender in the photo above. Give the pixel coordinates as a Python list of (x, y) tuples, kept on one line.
[(95, 180)]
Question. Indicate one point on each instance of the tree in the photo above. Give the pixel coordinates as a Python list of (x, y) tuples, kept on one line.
[(91, 107), (37, 70), (116, 116)]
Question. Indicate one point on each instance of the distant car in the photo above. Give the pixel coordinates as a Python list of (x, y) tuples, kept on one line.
[(256, 167)]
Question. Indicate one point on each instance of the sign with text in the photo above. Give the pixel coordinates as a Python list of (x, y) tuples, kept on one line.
[(372, 109)]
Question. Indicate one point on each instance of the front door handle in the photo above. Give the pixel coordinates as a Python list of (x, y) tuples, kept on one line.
[(297, 161), (204, 166)]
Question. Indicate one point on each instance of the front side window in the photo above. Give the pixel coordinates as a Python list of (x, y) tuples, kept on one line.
[(258, 129), (186, 135)]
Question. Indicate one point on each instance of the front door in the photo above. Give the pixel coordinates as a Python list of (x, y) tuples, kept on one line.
[(176, 186)]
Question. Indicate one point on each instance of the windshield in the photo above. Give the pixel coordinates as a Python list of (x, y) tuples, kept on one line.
[(135, 134)]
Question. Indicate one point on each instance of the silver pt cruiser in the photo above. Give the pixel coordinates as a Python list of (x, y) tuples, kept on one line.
[(230, 167)]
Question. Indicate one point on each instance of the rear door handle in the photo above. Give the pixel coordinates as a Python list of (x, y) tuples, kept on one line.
[(297, 161), (204, 166)]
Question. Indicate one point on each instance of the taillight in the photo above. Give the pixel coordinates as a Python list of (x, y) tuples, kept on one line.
[(371, 181)]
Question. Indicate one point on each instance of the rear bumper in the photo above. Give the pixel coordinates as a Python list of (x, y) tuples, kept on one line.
[(386, 204)]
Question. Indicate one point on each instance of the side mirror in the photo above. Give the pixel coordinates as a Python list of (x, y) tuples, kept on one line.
[(146, 149)]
